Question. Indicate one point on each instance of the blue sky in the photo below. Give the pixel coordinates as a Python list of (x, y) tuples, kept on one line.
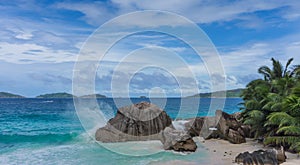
[(40, 41)]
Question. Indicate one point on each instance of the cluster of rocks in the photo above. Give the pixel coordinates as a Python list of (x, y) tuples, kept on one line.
[(145, 121), (222, 125), (262, 157)]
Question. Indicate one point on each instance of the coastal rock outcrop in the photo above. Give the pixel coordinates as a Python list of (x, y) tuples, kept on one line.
[(141, 121), (261, 157), (229, 128), (177, 140), (222, 125)]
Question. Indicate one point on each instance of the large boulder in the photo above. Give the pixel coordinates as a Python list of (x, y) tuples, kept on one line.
[(177, 140), (141, 121), (261, 157)]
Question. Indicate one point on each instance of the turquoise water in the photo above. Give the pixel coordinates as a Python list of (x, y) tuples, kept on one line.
[(47, 131)]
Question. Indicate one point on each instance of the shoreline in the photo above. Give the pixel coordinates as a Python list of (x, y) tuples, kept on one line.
[(222, 151)]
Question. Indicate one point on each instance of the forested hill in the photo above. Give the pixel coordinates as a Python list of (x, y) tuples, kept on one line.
[(9, 95), (229, 93)]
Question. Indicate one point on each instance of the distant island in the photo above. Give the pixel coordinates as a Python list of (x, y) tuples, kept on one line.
[(229, 93), (10, 95), (56, 95), (68, 95), (93, 95)]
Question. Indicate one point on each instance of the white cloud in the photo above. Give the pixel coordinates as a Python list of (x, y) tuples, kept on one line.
[(32, 53), (199, 11), (95, 13), (51, 39), (246, 59), (24, 36)]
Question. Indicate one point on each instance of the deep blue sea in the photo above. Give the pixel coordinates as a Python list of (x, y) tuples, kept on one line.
[(48, 131)]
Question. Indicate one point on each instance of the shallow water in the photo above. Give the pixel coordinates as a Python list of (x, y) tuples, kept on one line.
[(47, 131)]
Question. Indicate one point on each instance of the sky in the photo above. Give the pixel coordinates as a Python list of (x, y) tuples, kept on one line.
[(41, 40)]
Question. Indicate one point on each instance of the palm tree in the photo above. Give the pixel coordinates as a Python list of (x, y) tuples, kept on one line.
[(286, 123), (265, 99), (288, 132), (255, 91), (277, 71)]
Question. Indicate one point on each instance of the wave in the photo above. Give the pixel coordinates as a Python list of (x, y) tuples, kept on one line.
[(179, 124), (41, 138), (48, 101)]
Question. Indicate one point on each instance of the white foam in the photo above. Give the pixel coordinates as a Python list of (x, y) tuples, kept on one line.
[(179, 124), (135, 148), (47, 101)]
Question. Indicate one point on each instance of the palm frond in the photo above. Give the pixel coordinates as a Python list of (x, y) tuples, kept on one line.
[(287, 66), (266, 72), (277, 69), (292, 105), (254, 117), (289, 130), (280, 119), (252, 104), (296, 91)]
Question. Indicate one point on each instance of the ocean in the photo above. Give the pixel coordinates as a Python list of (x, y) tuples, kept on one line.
[(48, 131)]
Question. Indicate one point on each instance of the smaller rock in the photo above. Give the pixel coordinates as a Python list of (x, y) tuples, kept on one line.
[(235, 137), (281, 157), (259, 157), (177, 140)]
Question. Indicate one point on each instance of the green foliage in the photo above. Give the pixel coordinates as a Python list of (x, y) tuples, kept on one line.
[(289, 130), (282, 140), (296, 91), (280, 119), (255, 118), (272, 105), (292, 105), (56, 95), (9, 95), (229, 93)]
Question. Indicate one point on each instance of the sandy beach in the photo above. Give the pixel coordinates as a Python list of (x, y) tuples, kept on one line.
[(223, 152)]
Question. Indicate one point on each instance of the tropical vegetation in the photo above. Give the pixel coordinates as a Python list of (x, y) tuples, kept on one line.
[(272, 105)]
